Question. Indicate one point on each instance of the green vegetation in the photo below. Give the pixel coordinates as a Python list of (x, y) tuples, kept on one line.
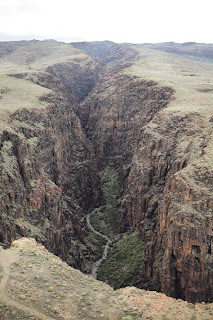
[(209, 212), (127, 318), (50, 288), (123, 263), (105, 219), (97, 242)]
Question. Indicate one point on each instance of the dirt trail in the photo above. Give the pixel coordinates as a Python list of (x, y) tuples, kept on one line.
[(7, 257), (106, 247)]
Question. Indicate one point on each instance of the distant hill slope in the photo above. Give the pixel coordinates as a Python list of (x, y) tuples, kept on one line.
[(97, 49), (189, 50), (101, 50)]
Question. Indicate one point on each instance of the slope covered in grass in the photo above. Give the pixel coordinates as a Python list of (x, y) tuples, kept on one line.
[(37, 285)]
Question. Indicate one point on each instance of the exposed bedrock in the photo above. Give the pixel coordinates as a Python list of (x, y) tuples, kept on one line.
[(168, 197), (114, 113), (79, 79), (48, 177)]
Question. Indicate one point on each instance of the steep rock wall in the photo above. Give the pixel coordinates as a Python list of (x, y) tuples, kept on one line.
[(48, 176), (169, 199), (78, 77), (114, 113), (165, 175)]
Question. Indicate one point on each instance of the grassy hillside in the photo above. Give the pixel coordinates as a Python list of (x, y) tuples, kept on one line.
[(190, 50), (19, 61), (192, 81), (193, 85), (41, 54), (37, 285)]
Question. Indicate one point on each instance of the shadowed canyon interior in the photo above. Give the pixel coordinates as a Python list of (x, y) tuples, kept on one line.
[(123, 129)]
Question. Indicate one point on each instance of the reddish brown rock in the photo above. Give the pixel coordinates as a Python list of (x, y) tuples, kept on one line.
[(116, 110), (169, 199), (48, 177)]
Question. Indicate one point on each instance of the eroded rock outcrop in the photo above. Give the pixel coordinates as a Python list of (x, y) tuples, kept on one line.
[(78, 77), (116, 110), (169, 199), (48, 176)]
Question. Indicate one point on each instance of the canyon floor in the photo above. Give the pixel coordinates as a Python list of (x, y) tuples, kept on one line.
[(35, 284)]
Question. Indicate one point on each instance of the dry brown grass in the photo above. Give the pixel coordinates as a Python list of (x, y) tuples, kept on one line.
[(41, 282), (19, 93), (192, 81)]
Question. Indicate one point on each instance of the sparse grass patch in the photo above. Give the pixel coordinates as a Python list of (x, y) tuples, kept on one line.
[(129, 317)]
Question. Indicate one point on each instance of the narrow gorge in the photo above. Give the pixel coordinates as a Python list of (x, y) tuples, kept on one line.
[(106, 156)]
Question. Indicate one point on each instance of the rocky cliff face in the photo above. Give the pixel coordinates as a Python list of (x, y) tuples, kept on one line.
[(114, 113), (170, 201), (165, 171), (78, 78), (48, 176), (98, 116)]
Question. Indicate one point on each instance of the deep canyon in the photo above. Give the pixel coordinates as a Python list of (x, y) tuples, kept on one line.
[(124, 128)]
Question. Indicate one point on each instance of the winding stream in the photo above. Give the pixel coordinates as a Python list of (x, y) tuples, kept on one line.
[(106, 247)]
